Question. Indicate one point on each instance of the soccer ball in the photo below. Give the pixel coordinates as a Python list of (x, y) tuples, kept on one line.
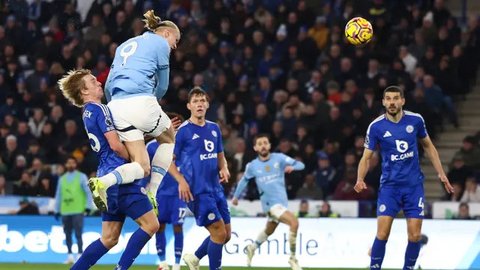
[(358, 31)]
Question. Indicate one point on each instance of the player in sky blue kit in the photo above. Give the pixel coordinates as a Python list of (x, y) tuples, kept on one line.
[(269, 170), (138, 78), (82, 89), (397, 133), (199, 167)]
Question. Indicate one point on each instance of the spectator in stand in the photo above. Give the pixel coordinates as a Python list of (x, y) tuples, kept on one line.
[(309, 189), (325, 175), (463, 212), (326, 211), (303, 209), (472, 191), (345, 191), (459, 172), (24, 186), (27, 208), (470, 153)]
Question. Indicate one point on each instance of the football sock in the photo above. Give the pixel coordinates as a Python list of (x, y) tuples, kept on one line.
[(90, 256), (215, 255), (137, 241), (160, 163), (411, 255), (202, 250), (262, 237), (160, 244), (292, 239), (378, 252), (178, 246), (127, 173)]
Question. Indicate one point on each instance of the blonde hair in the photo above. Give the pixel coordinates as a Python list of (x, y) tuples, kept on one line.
[(153, 22), (72, 84)]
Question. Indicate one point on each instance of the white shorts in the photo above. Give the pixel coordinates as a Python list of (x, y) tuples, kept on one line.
[(275, 212), (137, 116)]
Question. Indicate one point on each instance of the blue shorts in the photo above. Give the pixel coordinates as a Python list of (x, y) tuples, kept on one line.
[(171, 209), (209, 208), (131, 202), (409, 199)]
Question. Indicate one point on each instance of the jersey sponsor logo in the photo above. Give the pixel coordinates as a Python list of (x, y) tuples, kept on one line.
[(409, 128), (214, 133), (208, 156), (195, 136), (387, 134), (209, 145), (269, 178), (402, 147)]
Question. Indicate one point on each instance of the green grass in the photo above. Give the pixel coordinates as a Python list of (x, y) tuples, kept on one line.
[(28, 266)]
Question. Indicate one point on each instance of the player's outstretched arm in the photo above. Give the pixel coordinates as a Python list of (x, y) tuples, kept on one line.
[(362, 170), (432, 154), (116, 145), (242, 184), (183, 188)]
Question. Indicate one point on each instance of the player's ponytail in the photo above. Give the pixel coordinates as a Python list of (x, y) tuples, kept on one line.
[(153, 22)]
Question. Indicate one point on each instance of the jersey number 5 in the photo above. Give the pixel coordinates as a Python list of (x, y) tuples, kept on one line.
[(128, 50)]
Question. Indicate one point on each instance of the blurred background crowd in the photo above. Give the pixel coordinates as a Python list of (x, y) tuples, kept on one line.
[(269, 66)]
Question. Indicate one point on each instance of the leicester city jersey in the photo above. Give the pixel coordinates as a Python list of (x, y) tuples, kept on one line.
[(169, 185), (140, 67), (196, 151), (398, 147), (97, 120), (270, 178)]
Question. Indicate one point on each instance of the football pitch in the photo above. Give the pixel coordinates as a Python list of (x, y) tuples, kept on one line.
[(27, 266)]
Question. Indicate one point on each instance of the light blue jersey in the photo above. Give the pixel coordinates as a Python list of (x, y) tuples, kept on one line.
[(270, 178), (399, 148), (140, 67)]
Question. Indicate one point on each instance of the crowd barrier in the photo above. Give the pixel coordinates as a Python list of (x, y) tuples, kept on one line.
[(321, 242)]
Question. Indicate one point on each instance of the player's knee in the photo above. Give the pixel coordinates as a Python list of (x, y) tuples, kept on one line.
[(109, 242), (414, 237), (219, 236), (228, 236), (383, 235)]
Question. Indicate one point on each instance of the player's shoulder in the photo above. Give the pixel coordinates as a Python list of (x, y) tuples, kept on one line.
[(376, 122), (413, 116), (157, 40), (95, 108), (211, 124)]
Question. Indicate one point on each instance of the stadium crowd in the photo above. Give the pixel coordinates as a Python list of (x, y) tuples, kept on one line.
[(276, 67)]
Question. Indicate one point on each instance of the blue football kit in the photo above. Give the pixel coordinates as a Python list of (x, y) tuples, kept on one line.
[(401, 182), (196, 155), (123, 200), (171, 209)]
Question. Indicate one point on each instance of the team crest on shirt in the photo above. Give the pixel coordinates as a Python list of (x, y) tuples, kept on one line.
[(108, 122), (382, 208), (214, 133), (409, 128), (143, 190), (276, 165), (211, 216), (267, 168)]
